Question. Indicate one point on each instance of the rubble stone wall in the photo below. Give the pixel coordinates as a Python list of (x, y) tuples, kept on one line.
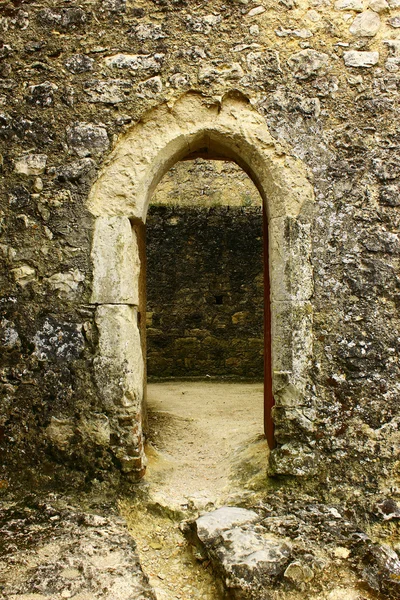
[(74, 80), (205, 292)]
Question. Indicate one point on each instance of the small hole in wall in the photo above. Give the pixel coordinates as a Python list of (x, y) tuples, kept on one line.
[(218, 299)]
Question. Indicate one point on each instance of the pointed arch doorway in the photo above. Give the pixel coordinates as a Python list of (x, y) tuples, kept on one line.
[(196, 126), (175, 194)]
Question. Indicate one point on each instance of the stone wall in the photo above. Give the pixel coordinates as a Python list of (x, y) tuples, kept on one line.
[(203, 182), (204, 292), (74, 80)]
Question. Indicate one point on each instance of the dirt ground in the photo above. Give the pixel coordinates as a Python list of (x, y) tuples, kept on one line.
[(205, 448), (199, 433)]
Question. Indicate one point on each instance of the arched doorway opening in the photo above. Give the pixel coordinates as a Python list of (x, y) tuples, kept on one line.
[(196, 126), (208, 309)]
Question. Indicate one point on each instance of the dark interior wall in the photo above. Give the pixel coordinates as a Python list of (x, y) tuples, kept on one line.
[(204, 292)]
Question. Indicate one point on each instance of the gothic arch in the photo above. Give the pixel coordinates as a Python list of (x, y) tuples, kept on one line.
[(119, 200)]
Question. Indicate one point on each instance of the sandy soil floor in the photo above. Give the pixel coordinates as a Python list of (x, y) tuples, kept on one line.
[(206, 447), (198, 433)]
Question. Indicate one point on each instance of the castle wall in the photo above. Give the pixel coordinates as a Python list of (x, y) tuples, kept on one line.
[(74, 80)]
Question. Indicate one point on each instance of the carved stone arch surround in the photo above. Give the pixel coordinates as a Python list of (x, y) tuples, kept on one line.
[(119, 201)]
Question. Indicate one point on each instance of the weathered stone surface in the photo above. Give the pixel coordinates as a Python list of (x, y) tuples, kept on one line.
[(87, 139), (333, 132), (116, 262), (367, 24), (30, 164), (24, 274), (378, 5), (77, 172), (66, 284), (58, 342), (79, 63), (298, 572), (210, 526), (151, 87), (210, 73), (120, 351), (382, 570), (112, 91), (136, 62), (42, 94), (224, 341), (308, 63), (66, 18), (294, 459), (356, 5), (58, 551), (354, 58), (247, 558)]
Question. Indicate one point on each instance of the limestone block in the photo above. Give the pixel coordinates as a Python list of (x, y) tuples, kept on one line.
[(95, 429), (24, 275), (356, 5), (110, 91), (308, 63), (378, 5), (116, 262), (210, 526), (366, 24), (291, 276), (87, 139), (79, 63), (119, 368), (291, 325), (353, 58), (136, 62), (66, 284), (293, 423), (60, 432), (30, 164)]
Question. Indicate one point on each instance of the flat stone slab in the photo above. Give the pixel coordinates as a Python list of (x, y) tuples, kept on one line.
[(51, 553), (211, 525)]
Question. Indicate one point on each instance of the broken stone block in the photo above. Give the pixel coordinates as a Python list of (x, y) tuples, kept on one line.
[(356, 5), (24, 275), (87, 139), (353, 58), (42, 94), (246, 556), (30, 164), (211, 525), (308, 63), (112, 91), (79, 63), (367, 24), (136, 62), (58, 551)]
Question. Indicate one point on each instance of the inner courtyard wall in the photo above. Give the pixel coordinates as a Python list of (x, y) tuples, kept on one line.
[(205, 292), (74, 79)]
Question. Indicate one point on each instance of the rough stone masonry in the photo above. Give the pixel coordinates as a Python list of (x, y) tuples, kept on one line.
[(322, 77)]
